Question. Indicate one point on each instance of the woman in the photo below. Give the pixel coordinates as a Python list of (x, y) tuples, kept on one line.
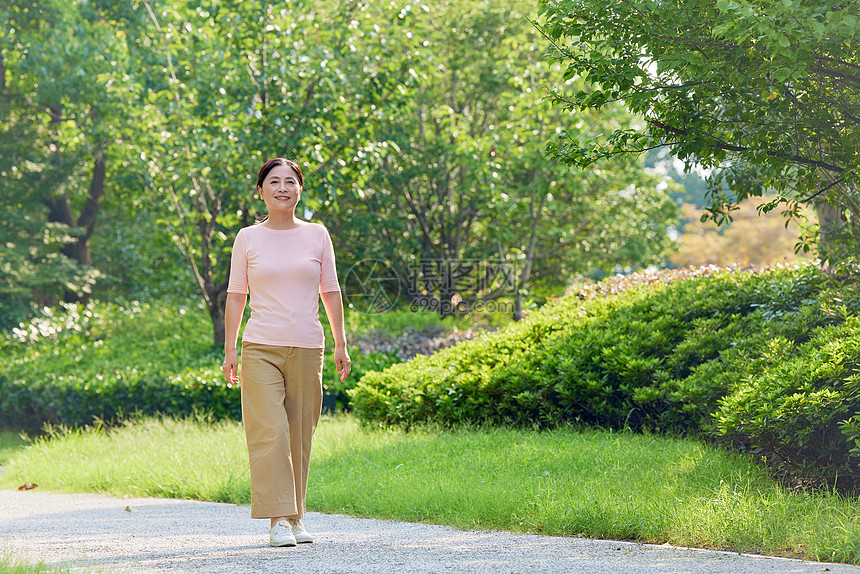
[(288, 265)]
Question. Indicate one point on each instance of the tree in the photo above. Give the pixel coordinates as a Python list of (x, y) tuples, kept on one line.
[(766, 94), (64, 90), (466, 190), (235, 84)]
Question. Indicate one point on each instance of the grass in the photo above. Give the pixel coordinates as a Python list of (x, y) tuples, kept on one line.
[(191, 459), (19, 568), (589, 483), (10, 565), (9, 443)]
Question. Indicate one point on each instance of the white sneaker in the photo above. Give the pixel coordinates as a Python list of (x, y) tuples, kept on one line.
[(302, 536), (281, 535)]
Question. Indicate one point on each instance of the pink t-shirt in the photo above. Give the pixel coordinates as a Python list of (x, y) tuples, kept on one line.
[(286, 270)]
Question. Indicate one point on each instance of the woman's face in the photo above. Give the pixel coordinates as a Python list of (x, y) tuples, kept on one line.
[(281, 189)]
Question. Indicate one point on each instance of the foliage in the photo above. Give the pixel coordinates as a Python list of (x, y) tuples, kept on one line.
[(76, 363), (239, 83), (465, 205), (369, 327), (33, 271), (397, 319), (750, 239), (362, 363), (134, 253), (799, 407), (152, 118), (695, 189), (63, 105), (659, 356), (763, 93)]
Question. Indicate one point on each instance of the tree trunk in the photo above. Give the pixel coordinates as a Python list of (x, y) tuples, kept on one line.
[(80, 249), (446, 307), (830, 219), (215, 296), (518, 307), (60, 210), (217, 313), (535, 214)]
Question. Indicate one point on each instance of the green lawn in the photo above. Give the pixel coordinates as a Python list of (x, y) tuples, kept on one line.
[(565, 482), (26, 569), (11, 566), (9, 443)]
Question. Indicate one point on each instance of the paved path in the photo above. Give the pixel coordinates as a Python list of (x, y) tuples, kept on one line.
[(91, 533)]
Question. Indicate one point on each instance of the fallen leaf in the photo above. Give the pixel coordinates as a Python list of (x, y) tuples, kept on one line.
[(28, 486)]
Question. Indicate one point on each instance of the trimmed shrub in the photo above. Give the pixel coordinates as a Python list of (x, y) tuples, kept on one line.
[(28, 406), (669, 357), (76, 363), (799, 410), (362, 363), (632, 359)]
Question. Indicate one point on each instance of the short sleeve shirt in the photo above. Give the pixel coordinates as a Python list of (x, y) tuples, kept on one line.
[(284, 270)]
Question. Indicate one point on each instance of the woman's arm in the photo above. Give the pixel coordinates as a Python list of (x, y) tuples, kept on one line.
[(235, 307), (334, 311)]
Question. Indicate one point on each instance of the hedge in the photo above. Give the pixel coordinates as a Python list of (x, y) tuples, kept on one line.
[(708, 355), (77, 363), (26, 405)]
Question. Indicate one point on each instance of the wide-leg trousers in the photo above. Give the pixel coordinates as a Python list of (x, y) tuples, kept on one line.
[(281, 403)]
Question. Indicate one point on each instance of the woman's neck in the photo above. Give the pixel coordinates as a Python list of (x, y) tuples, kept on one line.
[(282, 220)]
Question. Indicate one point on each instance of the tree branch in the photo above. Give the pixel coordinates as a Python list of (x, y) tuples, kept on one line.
[(851, 78), (841, 62), (729, 147), (696, 42), (834, 183)]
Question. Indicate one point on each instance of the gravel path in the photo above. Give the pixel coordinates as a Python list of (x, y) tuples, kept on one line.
[(92, 533)]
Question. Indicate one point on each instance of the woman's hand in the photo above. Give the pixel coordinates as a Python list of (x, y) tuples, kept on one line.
[(231, 366), (342, 362)]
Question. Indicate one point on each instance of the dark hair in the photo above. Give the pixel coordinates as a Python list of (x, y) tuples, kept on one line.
[(276, 161), (269, 166)]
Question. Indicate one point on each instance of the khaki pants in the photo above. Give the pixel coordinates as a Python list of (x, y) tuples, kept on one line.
[(281, 401)]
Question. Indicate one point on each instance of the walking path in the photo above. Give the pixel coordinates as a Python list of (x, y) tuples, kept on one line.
[(92, 533)]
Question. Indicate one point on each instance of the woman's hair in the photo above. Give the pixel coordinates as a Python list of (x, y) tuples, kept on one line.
[(276, 161), (269, 166)]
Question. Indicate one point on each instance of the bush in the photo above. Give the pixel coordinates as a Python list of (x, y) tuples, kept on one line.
[(661, 356), (28, 406), (385, 339), (791, 411), (71, 364), (362, 363)]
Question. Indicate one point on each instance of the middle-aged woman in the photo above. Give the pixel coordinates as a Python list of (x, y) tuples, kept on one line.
[(287, 265)]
